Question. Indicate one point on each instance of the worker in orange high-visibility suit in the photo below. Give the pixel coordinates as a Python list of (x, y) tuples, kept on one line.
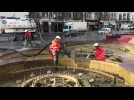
[(55, 48), (99, 52)]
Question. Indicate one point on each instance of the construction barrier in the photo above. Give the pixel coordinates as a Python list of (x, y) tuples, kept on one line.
[(67, 62), (131, 51), (113, 69), (106, 67), (128, 48)]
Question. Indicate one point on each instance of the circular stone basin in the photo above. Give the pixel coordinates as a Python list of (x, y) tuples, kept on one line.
[(22, 72), (52, 80), (58, 76)]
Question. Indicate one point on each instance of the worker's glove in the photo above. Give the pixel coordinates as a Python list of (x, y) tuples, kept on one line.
[(91, 55), (62, 52)]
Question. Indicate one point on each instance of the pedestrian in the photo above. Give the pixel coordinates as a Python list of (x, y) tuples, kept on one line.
[(99, 52), (55, 48), (28, 38)]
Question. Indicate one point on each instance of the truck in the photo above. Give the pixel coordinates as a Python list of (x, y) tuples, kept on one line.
[(75, 27), (15, 27), (124, 26)]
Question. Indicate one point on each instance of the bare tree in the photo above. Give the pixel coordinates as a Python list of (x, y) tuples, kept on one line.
[(36, 17)]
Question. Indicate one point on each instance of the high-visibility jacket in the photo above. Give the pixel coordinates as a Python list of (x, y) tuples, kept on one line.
[(100, 54), (55, 46), (28, 35)]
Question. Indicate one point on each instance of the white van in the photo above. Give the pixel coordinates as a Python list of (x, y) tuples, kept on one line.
[(75, 26), (124, 26)]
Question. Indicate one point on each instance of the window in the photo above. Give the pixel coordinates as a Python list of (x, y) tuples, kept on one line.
[(65, 27), (124, 16), (69, 27), (120, 17), (128, 16), (50, 14)]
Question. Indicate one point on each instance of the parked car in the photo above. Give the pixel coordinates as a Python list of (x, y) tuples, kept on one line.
[(131, 27), (105, 30)]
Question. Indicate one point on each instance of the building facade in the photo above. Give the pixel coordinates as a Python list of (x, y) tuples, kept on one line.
[(54, 21)]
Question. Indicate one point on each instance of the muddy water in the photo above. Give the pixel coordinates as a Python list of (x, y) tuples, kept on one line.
[(127, 63)]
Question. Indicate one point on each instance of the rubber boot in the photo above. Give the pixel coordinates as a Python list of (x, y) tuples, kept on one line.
[(25, 43), (29, 43), (54, 60), (62, 53)]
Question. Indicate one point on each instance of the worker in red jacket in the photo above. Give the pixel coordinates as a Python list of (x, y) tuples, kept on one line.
[(55, 48), (99, 52), (28, 38)]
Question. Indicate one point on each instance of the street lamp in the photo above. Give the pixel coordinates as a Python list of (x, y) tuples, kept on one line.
[(49, 25)]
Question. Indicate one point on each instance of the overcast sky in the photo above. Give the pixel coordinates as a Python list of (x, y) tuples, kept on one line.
[(17, 14)]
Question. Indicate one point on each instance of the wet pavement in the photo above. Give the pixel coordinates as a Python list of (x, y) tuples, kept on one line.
[(127, 63)]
